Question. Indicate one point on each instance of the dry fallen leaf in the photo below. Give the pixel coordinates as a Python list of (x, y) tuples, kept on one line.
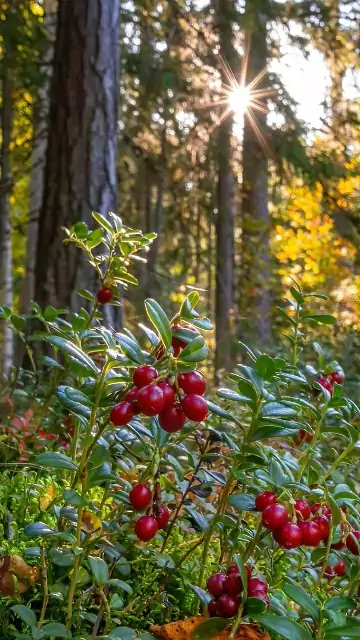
[(182, 630)]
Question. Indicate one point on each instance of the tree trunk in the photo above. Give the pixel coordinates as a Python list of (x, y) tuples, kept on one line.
[(40, 117), (256, 220), (224, 301), (80, 174), (6, 275)]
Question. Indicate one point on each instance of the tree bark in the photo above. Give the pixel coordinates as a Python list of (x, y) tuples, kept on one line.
[(40, 118), (224, 299), (80, 174), (6, 262), (256, 220)]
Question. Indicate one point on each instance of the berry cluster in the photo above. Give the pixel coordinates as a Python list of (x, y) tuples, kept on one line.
[(146, 527), (310, 528), (328, 381), (172, 402), (226, 589)]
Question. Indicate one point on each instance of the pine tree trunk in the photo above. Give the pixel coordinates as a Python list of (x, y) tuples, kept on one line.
[(224, 301), (40, 118), (256, 219), (80, 174), (6, 262)]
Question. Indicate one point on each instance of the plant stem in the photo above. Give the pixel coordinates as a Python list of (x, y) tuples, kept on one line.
[(339, 460), (253, 542), (44, 580)]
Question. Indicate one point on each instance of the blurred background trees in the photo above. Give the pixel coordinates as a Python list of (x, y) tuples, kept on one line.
[(140, 107)]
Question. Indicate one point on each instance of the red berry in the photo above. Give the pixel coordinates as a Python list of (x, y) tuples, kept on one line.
[(131, 396), (325, 383), (233, 584), (192, 382), (302, 510), (358, 591), (351, 544), (104, 295), (215, 584), (150, 400), (146, 528), (260, 595), (337, 377), (326, 511), (264, 499), (329, 573), (227, 606), (212, 609), (195, 407), (323, 525), (121, 414), (255, 585), (163, 517), (274, 516), (140, 497), (315, 508), (312, 534), (143, 375), (172, 418), (289, 536), (235, 569), (168, 391), (340, 568), (303, 436), (338, 545)]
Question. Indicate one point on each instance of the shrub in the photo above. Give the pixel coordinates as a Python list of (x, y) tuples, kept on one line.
[(137, 501)]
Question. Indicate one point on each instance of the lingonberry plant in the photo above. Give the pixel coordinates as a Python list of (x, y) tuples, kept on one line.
[(141, 500)]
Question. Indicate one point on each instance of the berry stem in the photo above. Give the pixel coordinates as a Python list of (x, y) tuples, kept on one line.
[(253, 542)]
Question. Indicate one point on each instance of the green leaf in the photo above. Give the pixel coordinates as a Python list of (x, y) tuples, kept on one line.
[(277, 409), (209, 629), (74, 400), (196, 351), (229, 394), (242, 501), (55, 460), (99, 570), (38, 529), (160, 321), (130, 348), (73, 497), (200, 520), (19, 322), (187, 309), (265, 367), (175, 464), (120, 584), (320, 318), (342, 491), (77, 354), (201, 594), (55, 630), (103, 222), (84, 293), (123, 633), (25, 613), (298, 594), (284, 627), (247, 389), (350, 630), (297, 295), (243, 573), (255, 606), (214, 408), (340, 603)]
